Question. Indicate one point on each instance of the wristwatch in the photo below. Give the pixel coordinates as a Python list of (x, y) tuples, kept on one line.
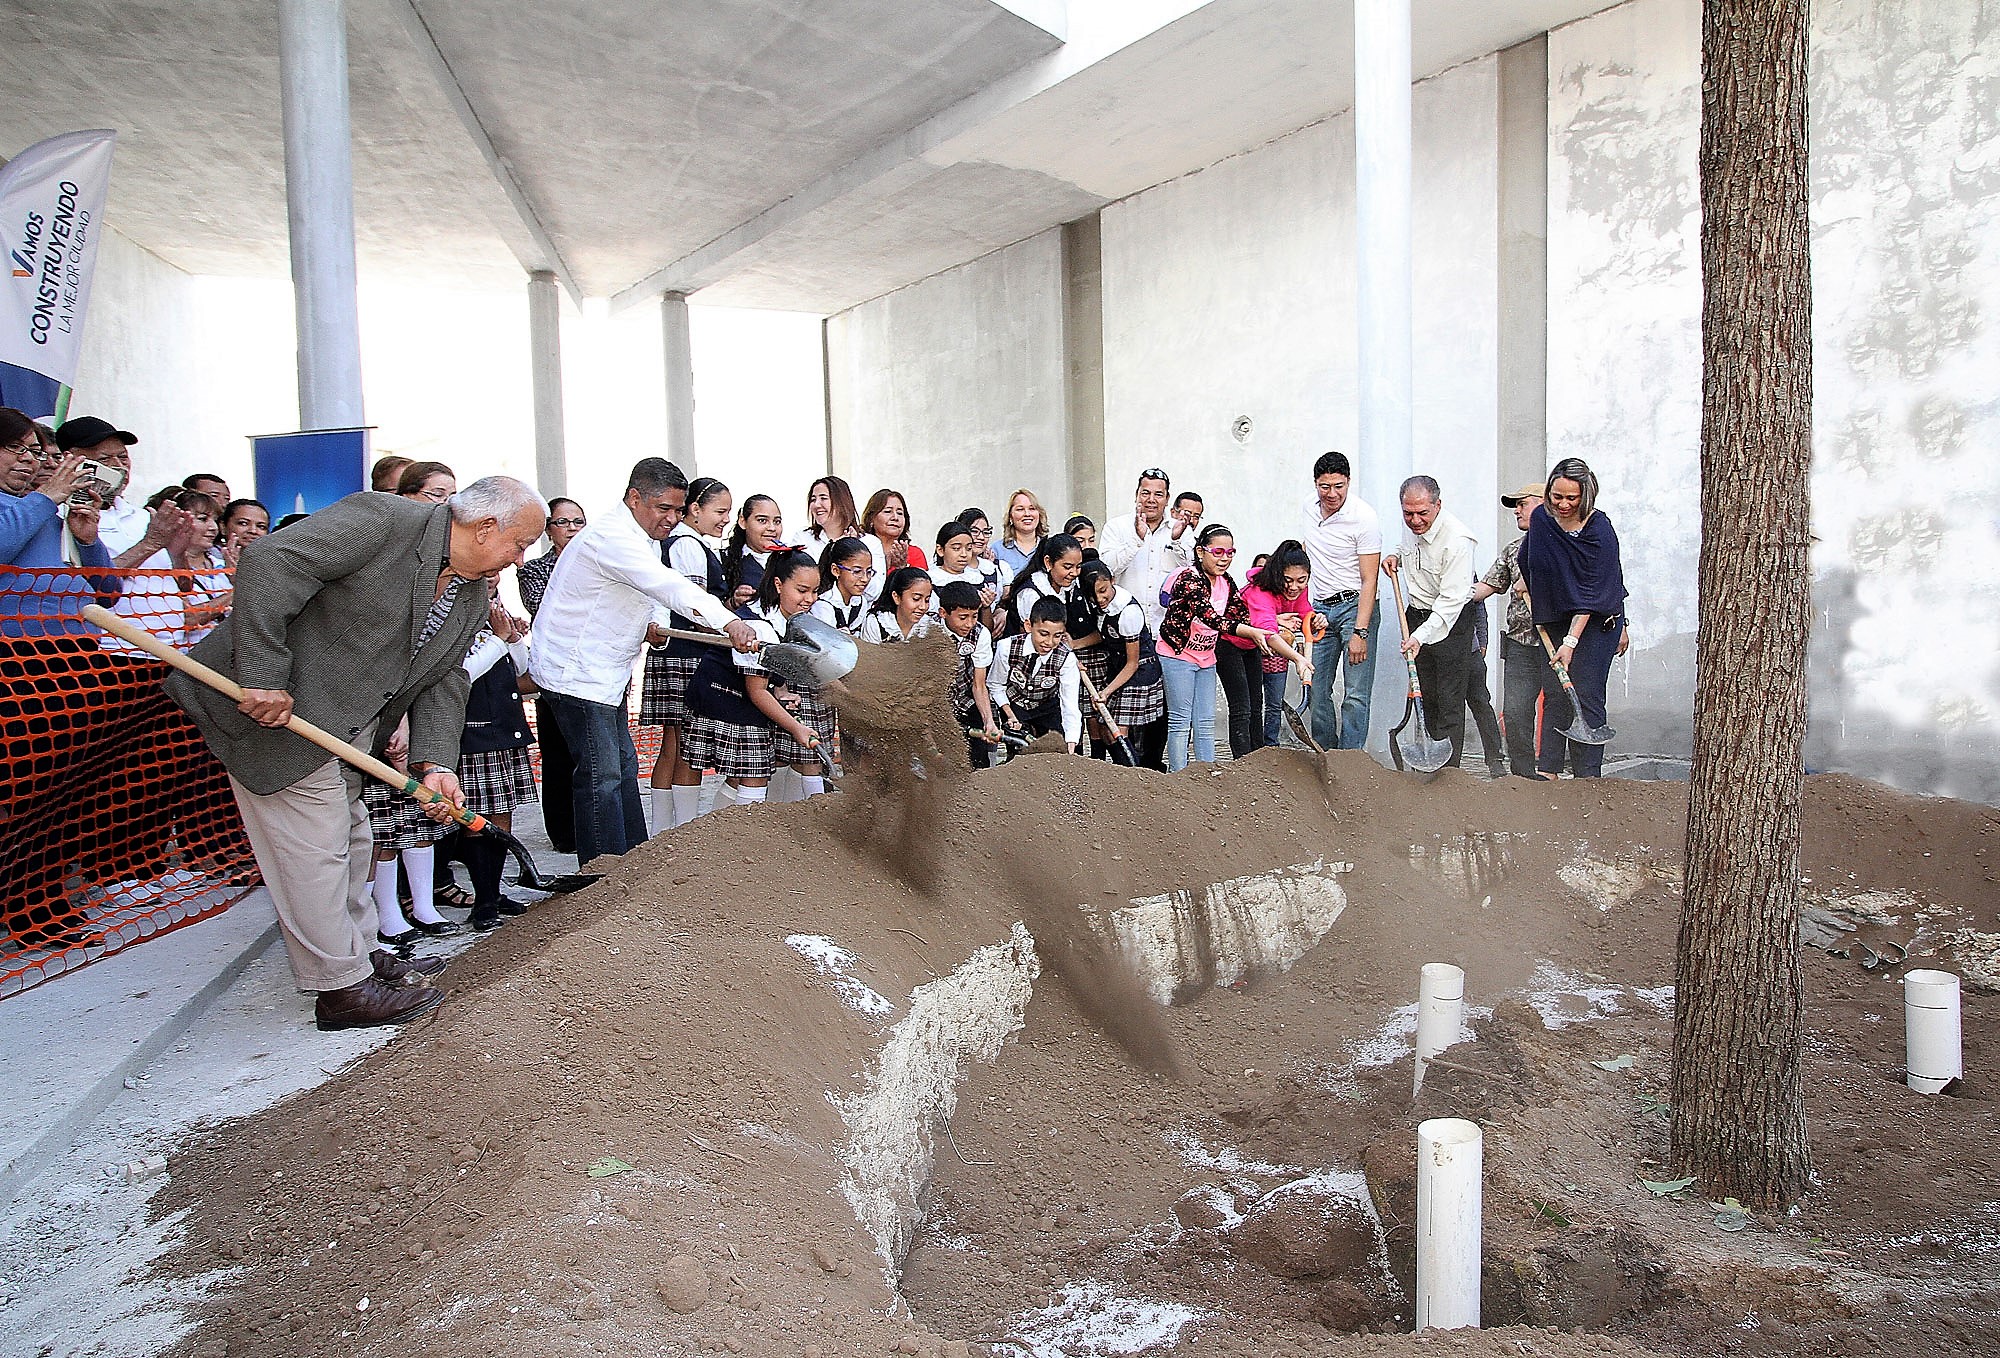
[(1361, 632)]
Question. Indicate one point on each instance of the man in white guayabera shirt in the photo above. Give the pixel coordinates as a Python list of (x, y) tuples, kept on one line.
[(1148, 545), (1343, 541), (592, 622), (1437, 575)]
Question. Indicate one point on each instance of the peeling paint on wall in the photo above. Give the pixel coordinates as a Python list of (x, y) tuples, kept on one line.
[(1906, 493)]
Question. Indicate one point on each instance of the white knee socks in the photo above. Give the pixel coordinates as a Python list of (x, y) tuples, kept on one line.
[(813, 783), (388, 914), (665, 816), (750, 796), (420, 865), (687, 803)]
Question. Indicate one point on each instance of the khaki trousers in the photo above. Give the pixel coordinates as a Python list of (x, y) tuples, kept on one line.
[(313, 844)]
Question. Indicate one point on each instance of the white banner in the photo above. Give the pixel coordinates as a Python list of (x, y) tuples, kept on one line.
[(51, 215)]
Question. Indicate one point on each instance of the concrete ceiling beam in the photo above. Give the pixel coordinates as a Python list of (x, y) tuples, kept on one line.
[(710, 262), (526, 236)]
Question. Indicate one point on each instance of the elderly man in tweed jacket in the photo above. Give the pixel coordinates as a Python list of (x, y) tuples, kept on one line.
[(352, 617)]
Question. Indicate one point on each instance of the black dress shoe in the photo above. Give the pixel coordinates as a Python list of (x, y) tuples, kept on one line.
[(508, 906), (485, 919), (444, 928), (403, 944), (411, 971)]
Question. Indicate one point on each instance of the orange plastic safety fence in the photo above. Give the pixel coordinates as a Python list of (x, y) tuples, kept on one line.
[(116, 823)]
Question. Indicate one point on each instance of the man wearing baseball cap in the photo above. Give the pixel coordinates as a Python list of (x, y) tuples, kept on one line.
[(134, 535), (1522, 660)]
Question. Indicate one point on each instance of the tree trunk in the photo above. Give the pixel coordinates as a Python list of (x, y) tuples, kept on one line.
[(1739, 1108)]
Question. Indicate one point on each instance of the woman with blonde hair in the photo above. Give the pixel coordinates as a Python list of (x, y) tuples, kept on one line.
[(1025, 525)]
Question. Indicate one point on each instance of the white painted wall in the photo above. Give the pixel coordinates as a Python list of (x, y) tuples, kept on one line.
[(951, 390), (194, 365), (1906, 492), (141, 365), (1231, 293)]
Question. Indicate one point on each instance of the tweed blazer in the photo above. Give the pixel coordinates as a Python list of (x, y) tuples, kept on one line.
[(329, 610)]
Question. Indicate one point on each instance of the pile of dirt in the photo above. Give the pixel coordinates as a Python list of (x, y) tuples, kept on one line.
[(630, 1131)]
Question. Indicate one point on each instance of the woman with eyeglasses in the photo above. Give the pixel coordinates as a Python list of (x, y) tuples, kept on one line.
[(830, 516), (847, 577), (995, 575), (431, 481), (1026, 524), (1203, 604), (671, 661), (566, 520)]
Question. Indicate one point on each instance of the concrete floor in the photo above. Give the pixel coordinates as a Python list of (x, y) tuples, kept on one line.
[(121, 1062)]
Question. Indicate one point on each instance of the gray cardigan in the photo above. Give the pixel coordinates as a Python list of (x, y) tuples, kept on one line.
[(328, 610)]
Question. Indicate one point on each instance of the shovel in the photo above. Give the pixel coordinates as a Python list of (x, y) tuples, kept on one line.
[(531, 876), (1295, 719), (1122, 745), (1576, 730), (812, 654), (1421, 750)]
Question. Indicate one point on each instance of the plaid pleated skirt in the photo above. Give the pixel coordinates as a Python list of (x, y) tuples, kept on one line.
[(731, 750), (398, 822), (816, 714), (1098, 664), (663, 701), (497, 781), (1138, 704)]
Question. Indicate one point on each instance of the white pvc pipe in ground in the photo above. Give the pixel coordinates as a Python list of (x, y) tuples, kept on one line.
[(1931, 1030), (1440, 1014), (1450, 1154)]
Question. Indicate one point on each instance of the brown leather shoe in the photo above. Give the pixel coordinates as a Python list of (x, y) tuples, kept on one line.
[(406, 971), (372, 1002)]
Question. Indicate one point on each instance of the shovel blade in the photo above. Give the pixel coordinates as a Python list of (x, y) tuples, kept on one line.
[(1589, 735), (1424, 752), (813, 653), (1296, 720)]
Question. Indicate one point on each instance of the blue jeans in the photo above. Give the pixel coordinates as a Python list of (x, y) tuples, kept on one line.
[(1329, 654), (604, 794), (1274, 699), (1190, 711)]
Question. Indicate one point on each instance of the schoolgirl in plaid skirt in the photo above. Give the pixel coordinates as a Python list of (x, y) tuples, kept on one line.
[(689, 549), (738, 708)]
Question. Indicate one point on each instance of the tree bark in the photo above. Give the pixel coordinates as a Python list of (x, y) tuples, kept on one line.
[(1738, 1101)]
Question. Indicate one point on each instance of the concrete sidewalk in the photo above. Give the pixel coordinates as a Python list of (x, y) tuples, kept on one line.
[(68, 1046), (114, 1066)]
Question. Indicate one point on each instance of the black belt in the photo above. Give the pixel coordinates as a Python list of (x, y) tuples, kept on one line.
[(1339, 598)]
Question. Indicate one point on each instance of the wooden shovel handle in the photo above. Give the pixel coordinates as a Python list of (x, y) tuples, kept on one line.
[(297, 725)]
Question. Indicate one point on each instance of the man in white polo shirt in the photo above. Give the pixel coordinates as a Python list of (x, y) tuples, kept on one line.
[(599, 601), (1343, 539)]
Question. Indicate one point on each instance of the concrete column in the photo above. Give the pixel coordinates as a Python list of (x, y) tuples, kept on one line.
[(679, 359), (319, 203), (1524, 269), (1382, 242), (545, 371), (1083, 362)]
